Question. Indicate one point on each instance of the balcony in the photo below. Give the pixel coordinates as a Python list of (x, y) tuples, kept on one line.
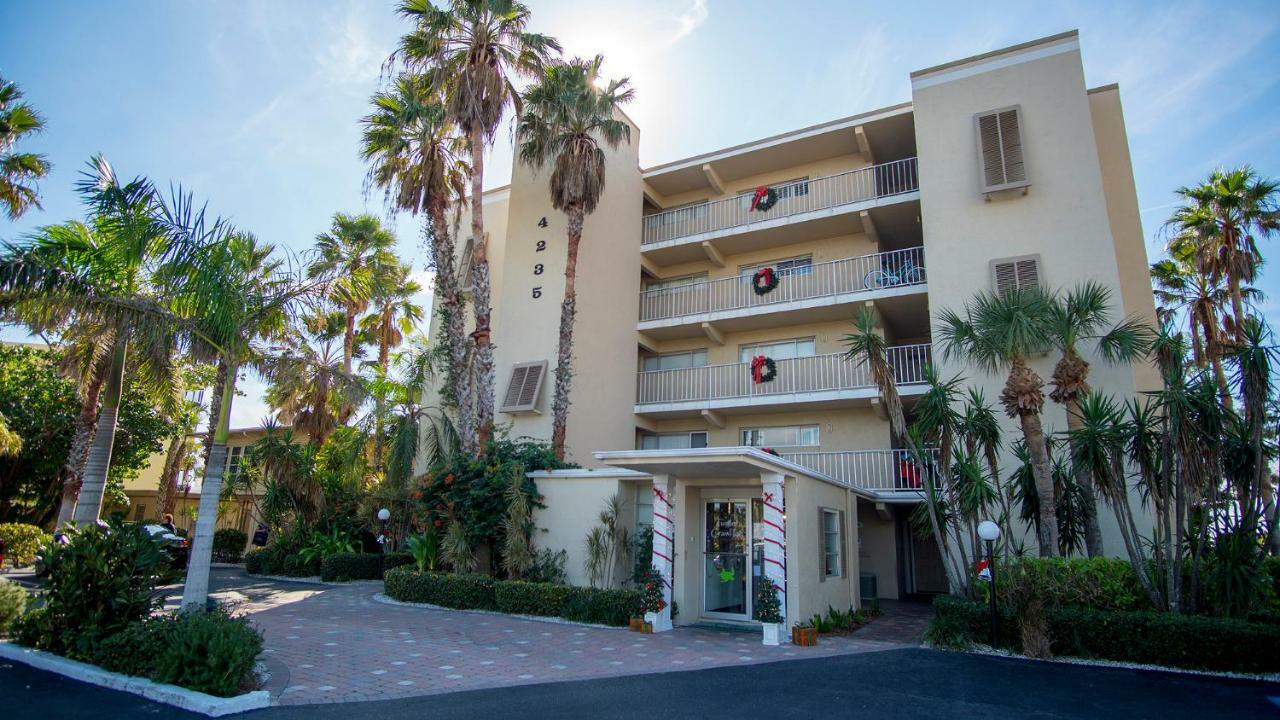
[(800, 200), (824, 285), (878, 470), (821, 378)]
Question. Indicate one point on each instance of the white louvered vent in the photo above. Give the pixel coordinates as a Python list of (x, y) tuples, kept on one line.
[(1000, 144), (524, 387), (1017, 273), (464, 267)]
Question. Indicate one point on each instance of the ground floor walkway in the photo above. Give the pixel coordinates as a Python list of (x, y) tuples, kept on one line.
[(337, 643)]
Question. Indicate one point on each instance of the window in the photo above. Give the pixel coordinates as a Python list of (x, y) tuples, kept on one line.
[(676, 361), (644, 506), (139, 513), (786, 436), (673, 285), (1015, 273), (674, 441), (780, 349), (781, 268), (1000, 147), (832, 565), (798, 187), (524, 387), (235, 462)]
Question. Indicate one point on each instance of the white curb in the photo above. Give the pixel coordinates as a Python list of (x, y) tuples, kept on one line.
[(168, 694)]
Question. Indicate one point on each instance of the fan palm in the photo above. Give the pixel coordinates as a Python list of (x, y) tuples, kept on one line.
[(306, 382), (998, 332), (19, 172), (471, 50), (1181, 287), (1080, 316), (414, 153), (566, 118), (395, 315)]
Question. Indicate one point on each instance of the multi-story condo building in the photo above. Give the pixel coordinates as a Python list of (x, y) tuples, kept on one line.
[(1003, 170)]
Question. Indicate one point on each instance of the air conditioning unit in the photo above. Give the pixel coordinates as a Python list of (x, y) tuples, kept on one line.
[(867, 588)]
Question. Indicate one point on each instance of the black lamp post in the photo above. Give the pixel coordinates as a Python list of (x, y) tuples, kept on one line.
[(990, 532)]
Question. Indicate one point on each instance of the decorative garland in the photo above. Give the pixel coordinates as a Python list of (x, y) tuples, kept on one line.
[(651, 599), (771, 451), (763, 369), (764, 281), (764, 199)]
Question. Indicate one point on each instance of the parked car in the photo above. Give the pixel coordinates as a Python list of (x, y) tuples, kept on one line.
[(177, 549)]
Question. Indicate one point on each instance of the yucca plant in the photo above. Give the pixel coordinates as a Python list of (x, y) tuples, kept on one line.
[(425, 549)]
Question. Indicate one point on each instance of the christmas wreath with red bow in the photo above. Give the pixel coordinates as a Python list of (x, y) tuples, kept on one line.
[(764, 199), (764, 281), (763, 369)]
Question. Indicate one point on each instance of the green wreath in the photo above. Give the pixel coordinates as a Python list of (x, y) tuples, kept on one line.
[(764, 199), (764, 281), (763, 369)]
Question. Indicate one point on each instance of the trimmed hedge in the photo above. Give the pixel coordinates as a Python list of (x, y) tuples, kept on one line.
[(1102, 583), (228, 545), (1195, 642), (342, 567), (210, 652), (480, 592)]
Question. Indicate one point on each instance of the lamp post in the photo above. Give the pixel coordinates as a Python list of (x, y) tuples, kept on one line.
[(383, 516), (990, 532)]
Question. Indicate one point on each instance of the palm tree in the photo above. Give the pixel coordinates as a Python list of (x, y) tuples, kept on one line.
[(19, 172), (1228, 214), (471, 50), (1082, 315), (414, 153), (395, 315), (1182, 288), (308, 385), (998, 333), (358, 253), (565, 119)]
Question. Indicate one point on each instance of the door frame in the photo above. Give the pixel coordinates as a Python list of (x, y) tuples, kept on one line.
[(724, 495)]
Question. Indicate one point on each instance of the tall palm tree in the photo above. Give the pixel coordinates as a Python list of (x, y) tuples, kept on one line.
[(358, 253), (395, 315), (998, 332), (471, 50), (310, 388), (415, 155), (1082, 315), (1181, 287), (1229, 213), (566, 118), (19, 172)]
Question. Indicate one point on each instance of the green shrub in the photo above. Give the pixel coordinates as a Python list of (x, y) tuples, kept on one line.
[(351, 566), (395, 560), (479, 592), (263, 561), (22, 542), (97, 584), (210, 652), (13, 601), (526, 598), (228, 545), (548, 567), (299, 565), (1196, 642), (1101, 583)]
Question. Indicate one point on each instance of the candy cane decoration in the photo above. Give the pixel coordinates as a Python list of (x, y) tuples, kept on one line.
[(775, 536), (663, 546)]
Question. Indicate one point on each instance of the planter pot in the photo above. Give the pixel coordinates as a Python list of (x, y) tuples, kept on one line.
[(646, 628), (804, 637), (636, 625), (773, 633)]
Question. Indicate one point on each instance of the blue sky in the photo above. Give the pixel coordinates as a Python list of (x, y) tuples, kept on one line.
[(253, 105)]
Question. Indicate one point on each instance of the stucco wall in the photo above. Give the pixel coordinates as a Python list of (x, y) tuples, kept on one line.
[(878, 549), (809, 592), (573, 506)]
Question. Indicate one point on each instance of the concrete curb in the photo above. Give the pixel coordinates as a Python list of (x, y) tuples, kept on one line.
[(168, 694), (381, 598)]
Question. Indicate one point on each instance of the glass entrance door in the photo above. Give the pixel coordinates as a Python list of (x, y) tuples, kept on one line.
[(730, 559)]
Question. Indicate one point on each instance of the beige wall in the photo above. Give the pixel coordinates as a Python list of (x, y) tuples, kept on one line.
[(838, 247), (828, 337), (839, 429), (573, 506), (809, 592), (878, 549)]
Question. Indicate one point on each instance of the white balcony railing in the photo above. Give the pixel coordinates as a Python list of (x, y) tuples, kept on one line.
[(798, 375), (881, 470), (801, 196), (859, 274)]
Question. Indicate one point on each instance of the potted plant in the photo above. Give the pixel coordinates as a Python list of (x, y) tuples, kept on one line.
[(651, 599), (804, 635), (769, 611)]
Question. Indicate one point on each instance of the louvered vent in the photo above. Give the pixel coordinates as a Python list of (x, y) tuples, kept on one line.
[(1015, 273), (1000, 142), (524, 387)]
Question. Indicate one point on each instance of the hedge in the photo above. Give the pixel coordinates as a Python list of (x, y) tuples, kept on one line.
[(228, 545), (342, 567), (480, 592), (210, 652), (1196, 642), (21, 542)]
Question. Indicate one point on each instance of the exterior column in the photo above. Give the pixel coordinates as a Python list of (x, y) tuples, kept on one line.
[(775, 536), (664, 529)]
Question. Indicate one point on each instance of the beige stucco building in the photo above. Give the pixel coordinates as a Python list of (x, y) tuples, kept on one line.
[(1002, 170)]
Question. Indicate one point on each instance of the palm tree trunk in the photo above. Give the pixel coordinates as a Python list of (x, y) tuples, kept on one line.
[(85, 429), (380, 402), (1047, 531), (195, 592), (1237, 305), (215, 407), (98, 463), (568, 312), (1213, 349), (484, 390), (349, 340), (1092, 531), (447, 284), (167, 493)]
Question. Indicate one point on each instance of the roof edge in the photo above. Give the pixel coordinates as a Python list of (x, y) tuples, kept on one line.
[(996, 53)]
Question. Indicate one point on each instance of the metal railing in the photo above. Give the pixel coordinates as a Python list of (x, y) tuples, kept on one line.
[(817, 373), (800, 196), (858, 274), (894, 470)]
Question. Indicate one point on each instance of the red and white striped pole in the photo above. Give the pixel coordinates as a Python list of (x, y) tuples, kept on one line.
[(664, 533), (775, 536)]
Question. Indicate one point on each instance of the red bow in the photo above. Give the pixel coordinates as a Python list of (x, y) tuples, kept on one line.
[(767, 275), (757, 369), (761, 193)]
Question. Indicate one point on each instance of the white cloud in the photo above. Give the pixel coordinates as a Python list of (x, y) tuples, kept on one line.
[(689, 20)]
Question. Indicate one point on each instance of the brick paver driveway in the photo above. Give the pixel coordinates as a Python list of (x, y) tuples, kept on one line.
[(337, 644)]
